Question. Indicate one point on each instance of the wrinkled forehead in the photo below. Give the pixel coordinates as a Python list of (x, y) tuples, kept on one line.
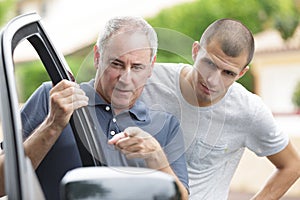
[(214, 53), (127, 42)]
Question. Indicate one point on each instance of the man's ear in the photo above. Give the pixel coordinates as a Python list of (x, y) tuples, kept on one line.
[(195, 50), (243, 72), (152, 65), (153, 60), (96, 57)]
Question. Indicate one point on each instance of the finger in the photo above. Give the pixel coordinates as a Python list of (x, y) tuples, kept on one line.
[(136, 155), (63, 84), (133, 131), (79, 103), (117, 137), (76, 97), (134, 148), (129, 142), (132, 154), (68, 103), (68, 91)]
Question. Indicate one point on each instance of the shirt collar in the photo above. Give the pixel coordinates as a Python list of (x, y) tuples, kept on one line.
[(94, 98), (139, 110)]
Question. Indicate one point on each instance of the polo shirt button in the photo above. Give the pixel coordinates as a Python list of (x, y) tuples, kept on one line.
[(107, 108), (114, 120), (112, 133)]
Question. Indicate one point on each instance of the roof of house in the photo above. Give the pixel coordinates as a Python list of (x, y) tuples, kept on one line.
[(270, 41)]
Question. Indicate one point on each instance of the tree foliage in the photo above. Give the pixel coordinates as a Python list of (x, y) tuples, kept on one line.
[(7, 10), (190, 20)]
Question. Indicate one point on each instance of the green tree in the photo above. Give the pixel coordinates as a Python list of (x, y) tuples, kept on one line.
[(7, 10), (192, 18), (188, 21), (286, 18)]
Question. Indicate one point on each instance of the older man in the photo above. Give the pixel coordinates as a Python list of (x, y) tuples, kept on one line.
[(131, 134)]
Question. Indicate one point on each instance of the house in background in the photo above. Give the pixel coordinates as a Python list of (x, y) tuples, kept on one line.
[(276, 70)]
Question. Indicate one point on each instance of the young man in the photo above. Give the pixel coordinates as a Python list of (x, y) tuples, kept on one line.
[(130, 133), (219, 117)]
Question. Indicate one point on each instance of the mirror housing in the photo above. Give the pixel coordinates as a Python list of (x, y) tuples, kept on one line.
[(118, 183)]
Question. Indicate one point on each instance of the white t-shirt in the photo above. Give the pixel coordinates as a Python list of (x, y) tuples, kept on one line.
[(215, 136)]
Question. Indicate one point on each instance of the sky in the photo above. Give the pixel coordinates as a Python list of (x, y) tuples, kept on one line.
[(72, 25)]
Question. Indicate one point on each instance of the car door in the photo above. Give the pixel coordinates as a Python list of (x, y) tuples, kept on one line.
[(28, 27)]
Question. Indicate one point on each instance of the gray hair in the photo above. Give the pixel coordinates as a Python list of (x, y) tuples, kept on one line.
[(124, 24)]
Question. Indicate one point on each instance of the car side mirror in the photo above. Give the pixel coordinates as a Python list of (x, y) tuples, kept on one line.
[(108, 183)]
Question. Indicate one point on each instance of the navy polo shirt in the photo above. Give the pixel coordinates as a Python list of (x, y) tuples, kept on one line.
[(64, 154)]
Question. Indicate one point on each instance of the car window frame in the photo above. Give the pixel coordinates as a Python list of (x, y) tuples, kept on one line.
[(29, 27)]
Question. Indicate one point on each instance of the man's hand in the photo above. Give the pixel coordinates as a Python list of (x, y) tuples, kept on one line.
[(136, 143), (65, 97)]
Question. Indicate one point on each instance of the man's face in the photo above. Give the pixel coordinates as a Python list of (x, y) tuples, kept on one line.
[(215, 72), (125, 65)]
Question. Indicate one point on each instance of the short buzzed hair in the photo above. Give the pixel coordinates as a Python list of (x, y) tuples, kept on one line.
[(233, 36)]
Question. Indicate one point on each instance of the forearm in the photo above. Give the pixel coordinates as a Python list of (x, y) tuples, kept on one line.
[(2, 188), (277, 185), (160, 162), (287, 163), (41, 141), (182, 189), (35, 147)]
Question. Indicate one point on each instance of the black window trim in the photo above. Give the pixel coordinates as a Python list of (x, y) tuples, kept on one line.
[(28, 26)]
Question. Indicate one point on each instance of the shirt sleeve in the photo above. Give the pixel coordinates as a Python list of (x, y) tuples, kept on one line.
[(35, 110), (266, 138)]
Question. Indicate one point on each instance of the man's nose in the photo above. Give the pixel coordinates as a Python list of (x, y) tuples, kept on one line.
[(125, 76), (214, 78)]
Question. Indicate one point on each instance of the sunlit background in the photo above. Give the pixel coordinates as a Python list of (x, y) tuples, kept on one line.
[(73, 27)]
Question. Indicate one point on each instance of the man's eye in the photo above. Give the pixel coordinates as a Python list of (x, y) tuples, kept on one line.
[(229, 73), (116, 64), (209, 63), (138, 67)]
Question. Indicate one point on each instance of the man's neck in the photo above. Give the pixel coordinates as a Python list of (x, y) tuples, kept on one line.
[(186, 87), (118, 111)]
